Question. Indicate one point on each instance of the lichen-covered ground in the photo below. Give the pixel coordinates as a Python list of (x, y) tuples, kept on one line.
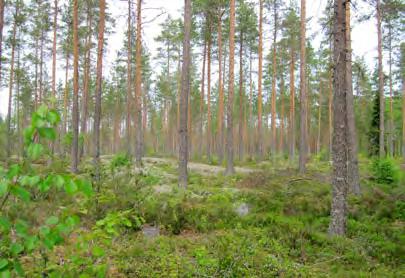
[(265, 221)]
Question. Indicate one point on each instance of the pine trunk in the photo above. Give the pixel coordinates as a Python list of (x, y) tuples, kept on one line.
[(221, 94), (241, 97), (138, 88), (75, 111), (292, 104), (259, 84), (380, 80), (209, 95), (129, 82), (201, 140), (98, 92), (303, 93), (337, 224), (229, 146), (185, 91)]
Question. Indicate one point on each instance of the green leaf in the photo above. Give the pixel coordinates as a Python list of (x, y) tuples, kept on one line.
[(35, 150), (30, 181), (53, 117), (5, 274), (47, 133), (16, 248), (3, 187), (18, 268), (28, 134), (21, 193), (42, 110), (37, 121), (53, 220), (98, 252), (13, 171), (21, 228), (44, 231), (85, 187), (3, 263), (59, 181), (31, 242), (5, 224), (71, 187)]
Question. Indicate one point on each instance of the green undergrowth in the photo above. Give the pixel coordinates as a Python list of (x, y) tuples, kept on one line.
[(202, 234)]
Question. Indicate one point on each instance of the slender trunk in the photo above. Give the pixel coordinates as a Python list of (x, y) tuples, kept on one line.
[(273, 143), (11, 82), (20, 139), (36, 74), (202, 99), (259, 84), (391, 122), (353, 163), (292, 104), (282, 113), (75, 111), (403, 117), (1, 33), (330, 112), (98, 92), (241, 97), (116, 128), (138, 87), (129, 81), (221, 94), (66, 97), (249, 137), (185, 91), (380, 81), (229, 146), (41, 69), (337, 225), (303, 93), (86, 80), (318, 140), (209, 95), (55, 27)]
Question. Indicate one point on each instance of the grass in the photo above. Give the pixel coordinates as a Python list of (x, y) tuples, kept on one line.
[(201, 234)]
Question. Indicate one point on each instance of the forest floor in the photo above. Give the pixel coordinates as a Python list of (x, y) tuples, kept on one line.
[(265, 221)]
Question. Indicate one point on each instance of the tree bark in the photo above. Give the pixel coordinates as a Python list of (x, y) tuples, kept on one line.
[(303, 93), (86, 81), (1, 32), (209, 94), (11, 82), (98, 93), (138, 88), (241, 97), (229, 147), (55, 27), (75, 111), (273, 142), (221, 94), (185, 91), (259, 84), (353, 166), (129, 82), (380, 80), (201, 140), (337, 225), (292, 104), (391, 121)]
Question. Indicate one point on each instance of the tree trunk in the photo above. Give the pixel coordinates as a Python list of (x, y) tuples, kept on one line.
[(318, 139), (282, 113), (209, 94), (221, 94), (129, 82), (1, 32), (380, 80), (138, 88), (98, 93), (241, 97), (273, 143), (249, 137), (86, 81), (75, 111), (353, 166), (330, 101), (292, 104), (185, 91), (11, 81), (337, 225), (201, 140), (303, 93), (259, 84), (229, 146), (41, 69), (403, 117), (391, 122), (55, 27)]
